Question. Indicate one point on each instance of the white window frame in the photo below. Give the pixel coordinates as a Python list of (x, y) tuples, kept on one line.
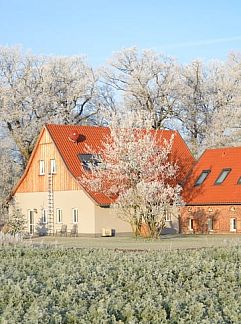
[(168, 216), (44, 216), (210, 224), (53, 168), (233, 224), (59, 216), (41, 167), (31, 221), (75, 215), (190, 224)]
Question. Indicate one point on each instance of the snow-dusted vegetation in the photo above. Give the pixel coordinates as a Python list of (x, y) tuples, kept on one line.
[(135, 167), (101, 286)]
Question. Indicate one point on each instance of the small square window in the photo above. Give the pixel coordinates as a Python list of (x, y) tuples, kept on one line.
[(222, 176), (202, 177)]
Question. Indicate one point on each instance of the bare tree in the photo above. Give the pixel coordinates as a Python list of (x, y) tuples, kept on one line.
[(9, 172), (208, 101), (194, 109), (35, 90), (225, 86), (144, 81)]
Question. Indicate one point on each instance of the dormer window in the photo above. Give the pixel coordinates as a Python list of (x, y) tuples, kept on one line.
[(88, 160), (41, 167), (52, 166), (222, 176), (202, 177)]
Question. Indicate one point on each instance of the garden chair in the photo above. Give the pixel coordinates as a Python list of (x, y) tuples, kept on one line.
[(74, 230)]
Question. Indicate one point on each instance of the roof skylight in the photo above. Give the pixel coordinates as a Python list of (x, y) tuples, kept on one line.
[(202, 177), (89, 159), (222, 176)]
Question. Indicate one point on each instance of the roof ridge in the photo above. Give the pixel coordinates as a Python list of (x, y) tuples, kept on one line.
[(75, 125), (222, 148)]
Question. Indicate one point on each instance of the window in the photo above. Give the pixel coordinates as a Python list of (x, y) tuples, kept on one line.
[(239, 181), (190, 226), (87, 159), (202, 177), (223, 175), (75, 215), (31, 221), (52, 166), (44, 216), (233, 224), (59, 215), (210, 224), (167, 214), (41, 167)]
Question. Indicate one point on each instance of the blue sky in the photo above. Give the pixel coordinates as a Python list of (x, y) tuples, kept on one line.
[(183, 29)]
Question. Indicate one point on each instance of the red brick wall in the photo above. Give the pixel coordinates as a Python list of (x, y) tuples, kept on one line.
[(220, 216)]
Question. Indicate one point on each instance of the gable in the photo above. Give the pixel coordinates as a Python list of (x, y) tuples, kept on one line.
[(32, 181)]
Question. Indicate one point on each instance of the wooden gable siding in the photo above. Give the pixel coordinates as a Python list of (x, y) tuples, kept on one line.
[(33, 182)]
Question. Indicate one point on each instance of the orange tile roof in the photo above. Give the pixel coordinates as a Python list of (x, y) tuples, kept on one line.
[(208, 192), (94, 136)]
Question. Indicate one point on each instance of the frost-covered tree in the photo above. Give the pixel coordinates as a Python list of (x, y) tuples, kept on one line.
[(9, 172), (144, 81), (35, 90), (134, 169), (225, 85), (17, 222), (208, 100)]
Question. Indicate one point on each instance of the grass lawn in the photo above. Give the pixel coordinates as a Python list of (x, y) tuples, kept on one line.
[(166, 242)]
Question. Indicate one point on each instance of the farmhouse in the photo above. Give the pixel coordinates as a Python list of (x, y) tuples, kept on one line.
[(50, 195), (213, 193)]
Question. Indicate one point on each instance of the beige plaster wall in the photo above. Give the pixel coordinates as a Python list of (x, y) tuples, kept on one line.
[(86, 210), (91, 218), (65, 200), (31, 201), (107, 218)]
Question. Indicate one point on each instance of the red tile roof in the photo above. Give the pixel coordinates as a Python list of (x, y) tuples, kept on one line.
[(208, 192), (94, 136), (69, 150), (64, 138)]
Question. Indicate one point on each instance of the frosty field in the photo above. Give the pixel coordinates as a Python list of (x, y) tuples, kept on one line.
[(58, 285), (166, 242)]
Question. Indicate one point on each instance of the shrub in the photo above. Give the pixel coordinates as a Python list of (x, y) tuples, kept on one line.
[(102, 286)]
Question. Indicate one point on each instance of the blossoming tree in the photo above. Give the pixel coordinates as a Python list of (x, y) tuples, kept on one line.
[(133, 168)]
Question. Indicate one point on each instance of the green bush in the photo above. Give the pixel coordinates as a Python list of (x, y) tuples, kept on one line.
[(47, 285)]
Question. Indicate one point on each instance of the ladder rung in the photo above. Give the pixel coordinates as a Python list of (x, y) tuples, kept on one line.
[(50, 204)]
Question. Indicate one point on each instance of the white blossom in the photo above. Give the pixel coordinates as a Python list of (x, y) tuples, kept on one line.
[(136, 170)]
